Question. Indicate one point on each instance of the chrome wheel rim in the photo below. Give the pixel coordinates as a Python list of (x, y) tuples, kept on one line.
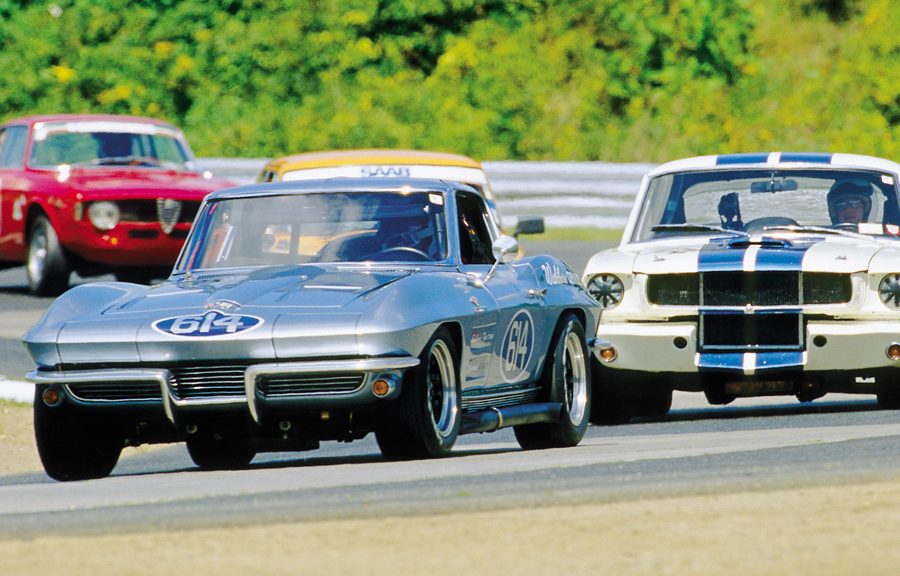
[(441, 386), (574, 378), (37, 255)]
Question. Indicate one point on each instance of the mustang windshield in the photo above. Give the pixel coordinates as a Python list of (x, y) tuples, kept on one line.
[(318, 227), (108, 143), (753, 200)]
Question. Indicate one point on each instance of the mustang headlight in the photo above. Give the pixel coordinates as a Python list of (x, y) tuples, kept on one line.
[(889, 291), (606, 289), (104, 215)]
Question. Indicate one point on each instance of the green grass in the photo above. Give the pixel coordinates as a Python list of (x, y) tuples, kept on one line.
[(577, 235)]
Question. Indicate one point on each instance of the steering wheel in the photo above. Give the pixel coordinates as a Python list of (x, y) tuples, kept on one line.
[(404, 250), (845, 226), (757, 224)]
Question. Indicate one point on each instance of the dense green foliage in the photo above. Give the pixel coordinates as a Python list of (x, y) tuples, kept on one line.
[(617, 80)]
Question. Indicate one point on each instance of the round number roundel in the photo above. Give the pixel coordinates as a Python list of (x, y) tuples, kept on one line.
[(208, 324), (518, 344)]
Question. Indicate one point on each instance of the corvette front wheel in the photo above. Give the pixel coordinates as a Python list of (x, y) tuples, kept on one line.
[(74, 446), (425, 421)]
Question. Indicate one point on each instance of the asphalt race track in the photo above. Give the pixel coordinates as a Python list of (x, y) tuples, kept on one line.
[(768, 443)]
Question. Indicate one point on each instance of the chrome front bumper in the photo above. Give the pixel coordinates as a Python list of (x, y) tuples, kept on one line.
[(252, 396)]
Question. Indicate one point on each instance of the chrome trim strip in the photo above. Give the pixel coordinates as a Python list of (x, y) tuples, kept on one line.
[(286, 368)]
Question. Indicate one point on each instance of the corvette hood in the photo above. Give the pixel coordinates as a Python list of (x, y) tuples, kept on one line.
[(295, 287), (838, 254)]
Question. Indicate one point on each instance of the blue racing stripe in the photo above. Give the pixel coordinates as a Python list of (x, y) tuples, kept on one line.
[(721, 255), (778, 360), (728, 361), (811, 157), (785, 257), (755, 158)]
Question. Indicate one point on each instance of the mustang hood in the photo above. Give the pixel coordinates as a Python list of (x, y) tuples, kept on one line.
[(837, 254), (303, 287)]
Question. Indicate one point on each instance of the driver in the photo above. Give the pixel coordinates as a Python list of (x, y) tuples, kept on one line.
[(415, 233), (113, 144), (849, 201)]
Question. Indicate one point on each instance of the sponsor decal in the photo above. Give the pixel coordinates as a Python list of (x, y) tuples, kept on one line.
[(554, 275), (518, 345), (384, 171), (207, 325)]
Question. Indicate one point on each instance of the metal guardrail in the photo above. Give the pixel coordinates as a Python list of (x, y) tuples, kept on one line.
[(566, 194)]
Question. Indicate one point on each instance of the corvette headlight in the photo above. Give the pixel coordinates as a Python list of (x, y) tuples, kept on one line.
[(607, 289), (889, 291), (104, 215)]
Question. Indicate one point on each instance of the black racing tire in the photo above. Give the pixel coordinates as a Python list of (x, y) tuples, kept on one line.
[(73, 445), (609, 404), (424, 422), (46, 265), (214, 453), (653, 402), (888, 394), (566, 379)]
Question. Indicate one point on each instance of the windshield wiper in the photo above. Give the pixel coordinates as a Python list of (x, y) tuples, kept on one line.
[(817, 230), (121, 161), (695, 228)]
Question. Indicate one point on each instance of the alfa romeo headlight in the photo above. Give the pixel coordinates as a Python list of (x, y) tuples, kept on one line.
[(607, 289), (889, 291), (104, 215)]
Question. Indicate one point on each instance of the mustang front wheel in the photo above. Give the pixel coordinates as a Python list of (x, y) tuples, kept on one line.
[(74, 446), (566, 379), (425, 421)]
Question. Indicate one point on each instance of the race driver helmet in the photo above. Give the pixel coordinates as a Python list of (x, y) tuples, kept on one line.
[(849, 193)]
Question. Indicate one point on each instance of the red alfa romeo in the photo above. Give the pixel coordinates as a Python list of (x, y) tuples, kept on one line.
[(95, 194)]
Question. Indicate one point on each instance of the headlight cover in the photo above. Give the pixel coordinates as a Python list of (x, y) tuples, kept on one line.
[(607, 289), (889, 291), (104, 215)]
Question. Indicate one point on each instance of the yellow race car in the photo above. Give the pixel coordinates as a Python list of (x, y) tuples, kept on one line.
[(393, 163)]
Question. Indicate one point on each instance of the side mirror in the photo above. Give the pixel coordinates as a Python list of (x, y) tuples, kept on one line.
[(529, 225), (505, 249)]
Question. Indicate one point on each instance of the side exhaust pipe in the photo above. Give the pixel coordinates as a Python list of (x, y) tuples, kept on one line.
[(497, 418)]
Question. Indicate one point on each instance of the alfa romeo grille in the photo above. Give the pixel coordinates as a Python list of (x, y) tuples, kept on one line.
[(221, 381), (740, 289)]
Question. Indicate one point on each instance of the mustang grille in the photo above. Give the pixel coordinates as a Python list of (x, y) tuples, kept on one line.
[(302, 384), (739, 289), (208, 381), (750, 332), (116, 392)]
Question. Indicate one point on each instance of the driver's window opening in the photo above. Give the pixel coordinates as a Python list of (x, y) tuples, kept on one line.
[(475, 244)]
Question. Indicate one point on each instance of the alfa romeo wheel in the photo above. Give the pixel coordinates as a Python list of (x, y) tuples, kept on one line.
[(566, 379), (47, 266), (425, 421)]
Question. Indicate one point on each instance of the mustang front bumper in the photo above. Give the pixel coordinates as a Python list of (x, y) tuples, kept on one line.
[(846, 346), (313, 385)]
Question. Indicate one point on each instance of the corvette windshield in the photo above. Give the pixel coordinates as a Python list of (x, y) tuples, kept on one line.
[(318, 227), (87, 144), (752, 201)]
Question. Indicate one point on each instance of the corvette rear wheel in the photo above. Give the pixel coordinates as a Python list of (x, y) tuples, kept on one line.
[(47, 266), (425, 421), (566, 379), (215, 453), (74, 446)]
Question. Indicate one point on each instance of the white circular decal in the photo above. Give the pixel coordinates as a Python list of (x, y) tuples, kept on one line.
[(518, 344), (209, 324)]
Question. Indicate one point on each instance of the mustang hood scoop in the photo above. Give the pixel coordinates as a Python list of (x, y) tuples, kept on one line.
[(293, 287)]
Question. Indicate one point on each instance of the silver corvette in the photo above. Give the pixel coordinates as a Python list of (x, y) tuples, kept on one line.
[(322, 310)]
